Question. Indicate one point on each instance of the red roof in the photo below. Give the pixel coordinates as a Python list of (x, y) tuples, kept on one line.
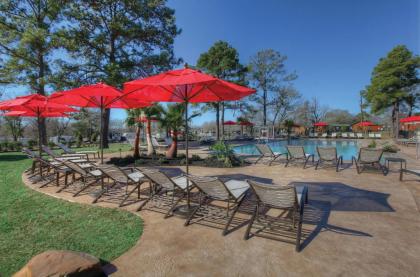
[(415, 118), (320, 124), (365, 124)]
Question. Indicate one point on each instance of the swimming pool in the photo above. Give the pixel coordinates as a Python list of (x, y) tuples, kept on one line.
[(346, 148)]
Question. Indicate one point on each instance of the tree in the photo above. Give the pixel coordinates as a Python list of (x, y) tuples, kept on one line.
[(15, 127), (412, 100), (317, 112), (289, 125), (28, 40), (266, 72), (133, 116), (339, 117), (115, 41), (149, 113), (284, 101), (222, 61), (392, 79)]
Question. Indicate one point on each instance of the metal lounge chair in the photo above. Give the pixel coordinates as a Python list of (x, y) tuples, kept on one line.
[(324, 135), (67, 150), (89, 176), (409, 171), (334, 135), (126, 177), (297, 153), (213, 189), (359, 135), (344, 135), (352, 135), (369, 156), (267, 152), (162, 183), (378, 135), (371, 135), (280, 197), (328, 155), (36, 160), (156, 144), (78, 158)]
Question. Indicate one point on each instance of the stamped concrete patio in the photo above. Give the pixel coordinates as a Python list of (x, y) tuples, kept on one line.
[(355, 225)]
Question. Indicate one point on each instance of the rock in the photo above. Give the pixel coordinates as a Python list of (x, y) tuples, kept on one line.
[(61, 263)]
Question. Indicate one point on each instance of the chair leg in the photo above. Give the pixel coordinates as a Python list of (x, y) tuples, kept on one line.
[(317, 164), (306, 161), (187, 222), (152, 194), (225, 231), (287, 162), (84, 187), (259, 158), (129, 193), (299, 233), (251, 221), (174, 205)]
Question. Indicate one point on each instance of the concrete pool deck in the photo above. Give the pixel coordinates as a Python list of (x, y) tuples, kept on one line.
[(356, 225)]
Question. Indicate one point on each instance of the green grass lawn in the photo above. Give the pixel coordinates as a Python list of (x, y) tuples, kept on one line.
[(31, 222), (113, 148)]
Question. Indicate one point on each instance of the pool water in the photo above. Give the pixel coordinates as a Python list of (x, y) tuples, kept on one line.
[(346, 148)]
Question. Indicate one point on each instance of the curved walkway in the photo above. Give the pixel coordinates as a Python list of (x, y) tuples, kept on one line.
[(357, 225)]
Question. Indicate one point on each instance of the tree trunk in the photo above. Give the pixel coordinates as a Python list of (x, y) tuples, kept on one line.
[(223, 120), (217, 121), (136, 143), (150, 148), (173, 149), (395, 119), (105, 130), (265, 107)]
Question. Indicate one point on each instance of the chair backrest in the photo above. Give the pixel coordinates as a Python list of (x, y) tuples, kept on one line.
[(155, 142), (344, 135), (370, 155), (115, 173), (327, 153), (296, 151), (264, 149), (159, 178), (211, 186), (47, 150), (277, 196), (65, 148), (75, 167), (30, 153)]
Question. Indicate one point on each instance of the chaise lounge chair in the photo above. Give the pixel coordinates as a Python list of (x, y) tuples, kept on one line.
[(162, 183), (368, 156), (409, 171), (78, 158), (213, 189), (328, 155), (126, 177), (297, 153), (280, 197), (67, 150), (267, 152), (359, 135), (344, 135), (88, 175)]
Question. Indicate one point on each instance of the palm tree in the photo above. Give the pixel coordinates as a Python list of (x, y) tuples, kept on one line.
[(173, 120), (133, 116)]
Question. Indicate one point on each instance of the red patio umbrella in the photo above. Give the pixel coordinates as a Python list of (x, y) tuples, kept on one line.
[(100, 96), (186, 86), (415, 118), (246, 123), (34, 105), (230, 122)]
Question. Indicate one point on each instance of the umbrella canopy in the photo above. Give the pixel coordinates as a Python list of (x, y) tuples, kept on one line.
[(415, 118), (35, 105), (320, 124), (32, 114), (100, 96), (186, 86), (229, 122)]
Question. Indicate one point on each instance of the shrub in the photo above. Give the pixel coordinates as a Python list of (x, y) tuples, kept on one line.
[(79, 140), (223, 152), (5, 146), (195, 157), (390, 148), (31, 144), (51, 144), (372, 144)]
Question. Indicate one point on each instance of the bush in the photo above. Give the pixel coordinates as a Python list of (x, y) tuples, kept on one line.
[(31, 144), (5, 146), (390, 148), (51, 144), (127, 160), (195, 157), (223, 152), (372, 144)]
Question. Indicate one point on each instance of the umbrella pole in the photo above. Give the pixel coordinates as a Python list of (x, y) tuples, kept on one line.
[(102, 130), (39, 134), (186, 152)]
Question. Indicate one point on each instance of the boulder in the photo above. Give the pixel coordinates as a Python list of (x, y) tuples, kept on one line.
[(61, 263)]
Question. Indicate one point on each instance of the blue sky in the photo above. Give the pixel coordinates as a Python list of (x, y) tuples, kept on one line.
[(332, 45)]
